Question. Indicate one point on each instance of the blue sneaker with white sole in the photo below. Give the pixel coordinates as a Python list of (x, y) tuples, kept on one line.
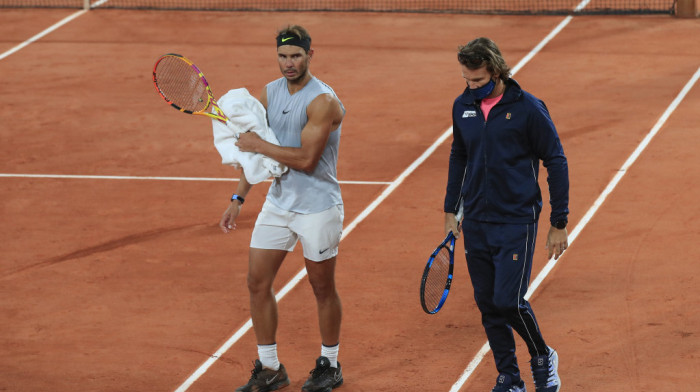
[(545, 372)]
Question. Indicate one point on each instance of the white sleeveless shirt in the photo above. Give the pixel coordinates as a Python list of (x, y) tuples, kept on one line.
[(299, 191)]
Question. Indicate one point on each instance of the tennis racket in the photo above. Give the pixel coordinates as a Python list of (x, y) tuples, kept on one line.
[(437, 276), (184, 87)]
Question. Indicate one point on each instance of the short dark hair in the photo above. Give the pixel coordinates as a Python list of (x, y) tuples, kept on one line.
[(481, 52)]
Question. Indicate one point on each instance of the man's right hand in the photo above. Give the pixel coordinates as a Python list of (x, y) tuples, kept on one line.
[(228, 220), (451, 224)]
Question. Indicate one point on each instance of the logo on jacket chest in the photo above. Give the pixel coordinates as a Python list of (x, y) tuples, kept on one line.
[(469, 113)]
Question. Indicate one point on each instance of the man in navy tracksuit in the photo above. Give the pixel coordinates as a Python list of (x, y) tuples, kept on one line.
[(500, 135)]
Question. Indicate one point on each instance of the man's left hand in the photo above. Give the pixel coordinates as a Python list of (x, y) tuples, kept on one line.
[(557, 242)]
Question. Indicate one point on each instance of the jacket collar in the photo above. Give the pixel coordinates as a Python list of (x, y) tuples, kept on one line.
[(512, 93)]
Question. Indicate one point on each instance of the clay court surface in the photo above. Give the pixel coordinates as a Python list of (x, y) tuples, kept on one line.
[(127, 284)]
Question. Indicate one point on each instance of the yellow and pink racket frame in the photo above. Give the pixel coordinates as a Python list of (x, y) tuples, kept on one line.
[(216, 113)]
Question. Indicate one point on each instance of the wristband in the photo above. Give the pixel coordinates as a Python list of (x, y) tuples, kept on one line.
[(239, 198)]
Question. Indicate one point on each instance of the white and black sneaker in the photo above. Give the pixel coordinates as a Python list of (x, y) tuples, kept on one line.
[(545, 372), (264, 379), (323, 378)]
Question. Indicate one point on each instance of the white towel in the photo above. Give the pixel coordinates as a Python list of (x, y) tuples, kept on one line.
[(245, 114)]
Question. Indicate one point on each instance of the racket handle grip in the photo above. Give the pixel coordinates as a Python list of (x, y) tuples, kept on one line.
[(460, 213)]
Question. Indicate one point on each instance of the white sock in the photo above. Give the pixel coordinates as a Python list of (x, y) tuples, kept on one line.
[(331, 353), (268, 356)]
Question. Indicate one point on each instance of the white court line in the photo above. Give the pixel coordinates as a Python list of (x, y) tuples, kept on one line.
[(620, 173), (302, 273), (541, 45), (42, 34), (49, 30), (100, 177)]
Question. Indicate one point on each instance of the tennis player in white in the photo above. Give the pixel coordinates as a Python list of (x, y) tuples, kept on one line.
[(303, 204)]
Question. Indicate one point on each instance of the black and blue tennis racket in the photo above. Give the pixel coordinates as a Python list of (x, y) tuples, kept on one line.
[(437, 276)]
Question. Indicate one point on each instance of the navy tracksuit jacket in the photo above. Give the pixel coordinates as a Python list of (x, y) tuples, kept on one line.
[(494, 167)]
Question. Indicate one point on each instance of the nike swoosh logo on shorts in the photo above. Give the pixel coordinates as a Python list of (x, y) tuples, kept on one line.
[(322, 251), (286, 111)]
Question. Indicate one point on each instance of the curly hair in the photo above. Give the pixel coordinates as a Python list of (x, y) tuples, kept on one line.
[(481, 52)]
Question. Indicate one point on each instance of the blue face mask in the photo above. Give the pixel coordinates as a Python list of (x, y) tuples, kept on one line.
[(483, 91)]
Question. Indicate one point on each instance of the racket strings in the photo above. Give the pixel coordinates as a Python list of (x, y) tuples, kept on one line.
[(437, 279), (181, 84)]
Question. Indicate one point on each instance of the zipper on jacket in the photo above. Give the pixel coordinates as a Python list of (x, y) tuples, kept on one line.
[(483, 138), (460, 199), (483, 143), (534, 178)]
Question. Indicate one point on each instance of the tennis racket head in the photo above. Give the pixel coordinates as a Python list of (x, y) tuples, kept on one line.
[(183, 86), (437, 276)]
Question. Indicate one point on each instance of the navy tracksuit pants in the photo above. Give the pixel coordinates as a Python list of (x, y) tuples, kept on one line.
[(499, 259)]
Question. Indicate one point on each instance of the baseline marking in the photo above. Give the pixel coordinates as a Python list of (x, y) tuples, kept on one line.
[(100, 177)]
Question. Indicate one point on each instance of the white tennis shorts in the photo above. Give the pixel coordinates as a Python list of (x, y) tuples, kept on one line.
[(319, 233)]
